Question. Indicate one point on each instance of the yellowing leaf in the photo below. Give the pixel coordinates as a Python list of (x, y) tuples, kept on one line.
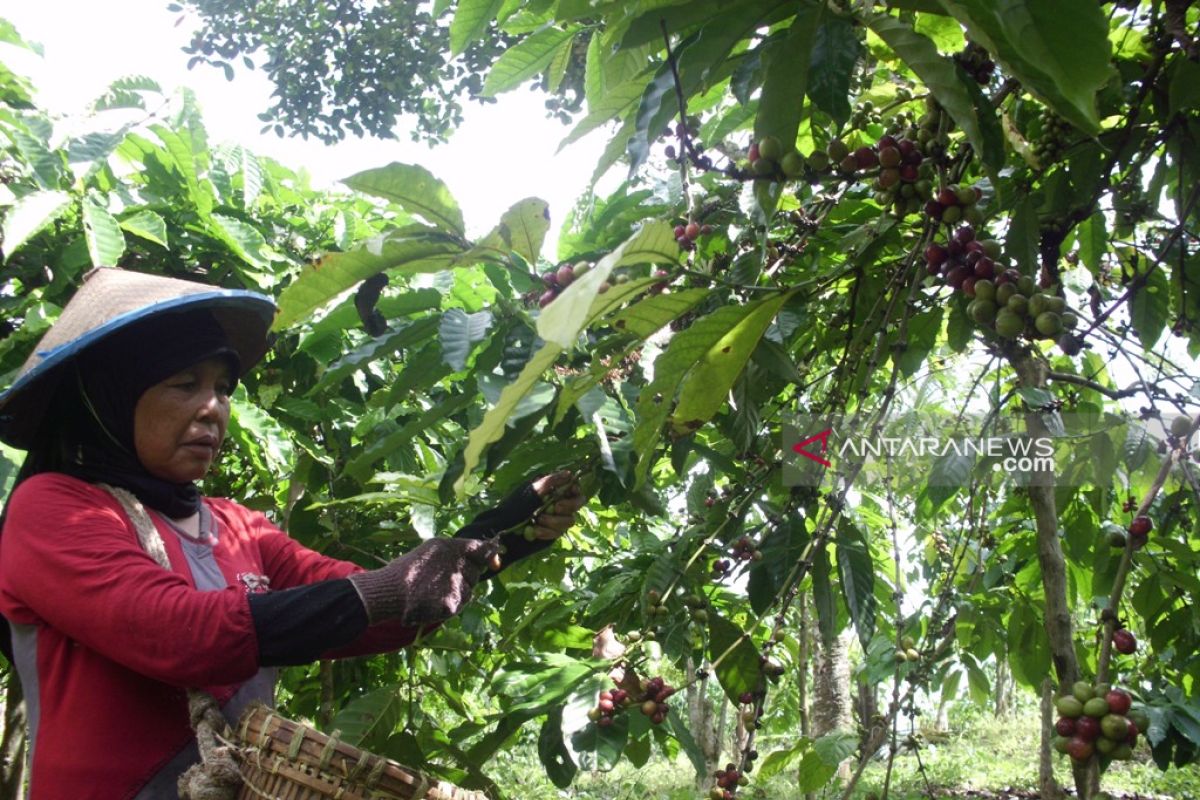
[(413, 188), (492, 426), (561, 321), (707, 385)]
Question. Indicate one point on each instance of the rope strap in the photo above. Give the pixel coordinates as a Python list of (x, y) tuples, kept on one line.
[(375, 774), (216, 777)]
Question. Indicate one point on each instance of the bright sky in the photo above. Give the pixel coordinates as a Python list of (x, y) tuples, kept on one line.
[(503, 152)]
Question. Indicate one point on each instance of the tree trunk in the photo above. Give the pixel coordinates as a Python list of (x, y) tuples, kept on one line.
[(831, 687), (1048, 787), (13, 740), (1053, 563), (866, 707), (720, 737), (700, 718), (1003, 688), (831, 691), (802, 674)]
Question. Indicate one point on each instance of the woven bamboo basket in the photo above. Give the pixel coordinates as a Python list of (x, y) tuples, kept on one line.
[(284, 760)]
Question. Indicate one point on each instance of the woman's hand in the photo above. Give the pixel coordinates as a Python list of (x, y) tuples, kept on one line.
[(562, 500), (429, 584), (529, 519)]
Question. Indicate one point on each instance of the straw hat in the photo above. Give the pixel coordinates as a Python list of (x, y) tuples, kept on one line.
[(113, 299)]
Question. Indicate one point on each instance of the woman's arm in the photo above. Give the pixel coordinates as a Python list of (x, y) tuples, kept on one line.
[(316, 615), (70, 559)]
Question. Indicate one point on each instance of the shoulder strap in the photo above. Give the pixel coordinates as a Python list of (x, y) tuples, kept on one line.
[(216, 777), (147, 532)]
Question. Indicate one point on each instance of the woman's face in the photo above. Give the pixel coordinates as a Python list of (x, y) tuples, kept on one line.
[(179, 424)]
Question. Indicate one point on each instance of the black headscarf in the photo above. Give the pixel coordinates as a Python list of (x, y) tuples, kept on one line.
[(88, 432)]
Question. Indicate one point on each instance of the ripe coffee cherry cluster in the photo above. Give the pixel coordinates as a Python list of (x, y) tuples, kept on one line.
[(954, 204), (976, 62), (769, 158), (1003, 299), (652, 703), (1056, 135), (558, 279), (905, 178), (728, 780), (654, 699), (907, 651), (608, 704), (1124, 642), (965, 261), (687, 234), (1097, 720), (743, 549)]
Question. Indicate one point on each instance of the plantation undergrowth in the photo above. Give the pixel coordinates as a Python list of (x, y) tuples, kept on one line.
[(977, 759)]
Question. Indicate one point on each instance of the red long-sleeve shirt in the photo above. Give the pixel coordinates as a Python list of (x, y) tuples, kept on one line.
[(118, 639)]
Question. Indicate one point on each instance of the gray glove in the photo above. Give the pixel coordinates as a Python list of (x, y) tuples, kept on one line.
[(428, 584)]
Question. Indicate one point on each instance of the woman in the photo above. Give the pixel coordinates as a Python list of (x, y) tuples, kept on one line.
[(123, 407)]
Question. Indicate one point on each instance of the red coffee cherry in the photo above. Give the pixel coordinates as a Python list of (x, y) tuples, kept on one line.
[(1124, 641), (1141, 526)]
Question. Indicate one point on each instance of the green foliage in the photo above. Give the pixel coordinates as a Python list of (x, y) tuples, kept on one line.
[(949, 86), (1060, 51), (414, 189), (418, 375)]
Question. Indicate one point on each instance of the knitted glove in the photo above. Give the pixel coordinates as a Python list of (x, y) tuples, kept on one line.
[(428, 584), (510, 513), (508, 521)]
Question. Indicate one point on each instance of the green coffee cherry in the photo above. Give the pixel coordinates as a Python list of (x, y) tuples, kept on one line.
[(1009, 324)]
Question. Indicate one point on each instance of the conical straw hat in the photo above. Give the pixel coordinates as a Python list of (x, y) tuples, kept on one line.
[(111, 300)]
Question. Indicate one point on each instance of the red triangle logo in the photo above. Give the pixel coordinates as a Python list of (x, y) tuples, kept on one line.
[(824, 437)]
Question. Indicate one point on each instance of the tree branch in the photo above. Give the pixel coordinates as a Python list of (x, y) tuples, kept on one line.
[(1079, 380)]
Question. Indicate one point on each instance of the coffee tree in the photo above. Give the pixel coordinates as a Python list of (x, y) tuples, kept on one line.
[(980, 214)]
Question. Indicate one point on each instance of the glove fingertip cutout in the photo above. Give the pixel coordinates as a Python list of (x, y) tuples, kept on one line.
[(512, 511)]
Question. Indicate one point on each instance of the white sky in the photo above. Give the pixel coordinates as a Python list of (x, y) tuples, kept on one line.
[(502, 153)]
